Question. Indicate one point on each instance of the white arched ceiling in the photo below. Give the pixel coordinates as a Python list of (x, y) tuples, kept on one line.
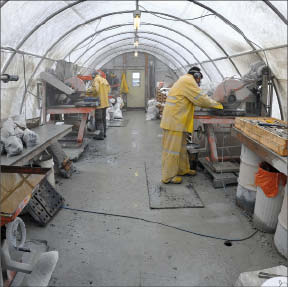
[(212, 34), (100, 63), (109, 50)]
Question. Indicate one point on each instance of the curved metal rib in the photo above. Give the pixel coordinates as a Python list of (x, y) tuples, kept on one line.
[(80, 1), (280, 15), (131, 38), (142, 45), (122, 33), (121, 52), (225, 20), (35, 29), (128, 50), (110, 14), (108, 28)]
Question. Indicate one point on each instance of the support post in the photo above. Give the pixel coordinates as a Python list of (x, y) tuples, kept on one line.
[(212, 142), (147, 81)]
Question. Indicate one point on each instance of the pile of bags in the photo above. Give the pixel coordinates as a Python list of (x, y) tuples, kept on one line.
[(15, 135), (115, 110), (152, 110)]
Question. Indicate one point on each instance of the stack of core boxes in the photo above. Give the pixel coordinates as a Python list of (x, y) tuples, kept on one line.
[(161, 100)]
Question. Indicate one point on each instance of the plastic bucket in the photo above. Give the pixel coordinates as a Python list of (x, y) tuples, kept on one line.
[(246, 198), (248, 168), (267, 210), (280, 238), (246, 190), (49, 163)]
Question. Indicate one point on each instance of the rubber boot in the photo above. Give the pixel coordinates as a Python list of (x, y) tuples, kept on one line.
[(175, 180), (190, 172), (99, 125)]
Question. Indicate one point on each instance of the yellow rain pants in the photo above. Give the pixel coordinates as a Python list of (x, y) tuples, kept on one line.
[(175, 160)]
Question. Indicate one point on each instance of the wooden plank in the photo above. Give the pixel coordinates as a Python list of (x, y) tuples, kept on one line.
[(264, 135), (279, 162), (70, 110), (48, 134)]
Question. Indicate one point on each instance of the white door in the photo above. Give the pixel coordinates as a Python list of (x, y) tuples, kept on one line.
[(136, 85)]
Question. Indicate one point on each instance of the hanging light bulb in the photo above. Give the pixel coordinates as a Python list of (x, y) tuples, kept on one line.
[(136, 53), (137, 16), (136, 42)]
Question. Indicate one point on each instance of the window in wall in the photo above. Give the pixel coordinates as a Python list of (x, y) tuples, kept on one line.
[(136, 79)]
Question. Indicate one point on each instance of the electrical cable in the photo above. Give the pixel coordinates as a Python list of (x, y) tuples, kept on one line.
[(160, 223), (169, 19), (91, 40)]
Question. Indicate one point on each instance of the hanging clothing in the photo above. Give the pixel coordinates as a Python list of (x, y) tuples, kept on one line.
[(124, 87)]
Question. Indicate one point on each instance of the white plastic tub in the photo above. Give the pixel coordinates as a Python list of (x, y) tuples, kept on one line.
[(267, 210), (246, 198), (280, 238), (246, 190), (49, 163), (248, 168)]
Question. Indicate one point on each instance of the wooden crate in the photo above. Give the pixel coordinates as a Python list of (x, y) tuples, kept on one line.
[(265, 135), (160, 97)]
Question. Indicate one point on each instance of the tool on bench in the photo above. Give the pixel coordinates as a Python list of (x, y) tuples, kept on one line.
[(269, 275), (281, 126)]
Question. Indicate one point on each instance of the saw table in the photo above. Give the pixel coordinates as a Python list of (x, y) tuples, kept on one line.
[(222, 170), (65, 109)]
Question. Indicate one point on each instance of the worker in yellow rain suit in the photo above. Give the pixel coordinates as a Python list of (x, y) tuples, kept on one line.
[(177, 120), (100, 88)]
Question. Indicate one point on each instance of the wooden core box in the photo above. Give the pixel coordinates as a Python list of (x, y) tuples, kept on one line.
[(274, 136)]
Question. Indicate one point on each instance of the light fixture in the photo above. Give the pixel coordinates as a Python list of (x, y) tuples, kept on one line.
[(136, 15), (136, 53), (136, 42)]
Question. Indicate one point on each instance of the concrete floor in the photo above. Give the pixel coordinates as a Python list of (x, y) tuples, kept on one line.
[(96, 250)]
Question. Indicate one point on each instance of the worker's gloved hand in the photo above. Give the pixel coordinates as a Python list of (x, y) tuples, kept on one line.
[(218, 106)]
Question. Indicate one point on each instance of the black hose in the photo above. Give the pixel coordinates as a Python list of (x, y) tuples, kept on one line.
[(159, 223)]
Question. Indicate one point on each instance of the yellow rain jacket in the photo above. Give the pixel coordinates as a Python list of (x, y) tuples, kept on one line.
[(100, 88), (180, 104)]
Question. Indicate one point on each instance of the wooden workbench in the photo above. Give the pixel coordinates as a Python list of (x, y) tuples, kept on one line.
[(276, 160), (48, 134)]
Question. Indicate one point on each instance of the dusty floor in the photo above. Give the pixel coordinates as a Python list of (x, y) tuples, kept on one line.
[(99, 250)]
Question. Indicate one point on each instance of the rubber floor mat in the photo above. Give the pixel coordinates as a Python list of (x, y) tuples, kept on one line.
[(167, 196), (118, 123)]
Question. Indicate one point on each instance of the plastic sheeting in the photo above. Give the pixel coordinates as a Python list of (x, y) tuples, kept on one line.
[(179, 33)]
